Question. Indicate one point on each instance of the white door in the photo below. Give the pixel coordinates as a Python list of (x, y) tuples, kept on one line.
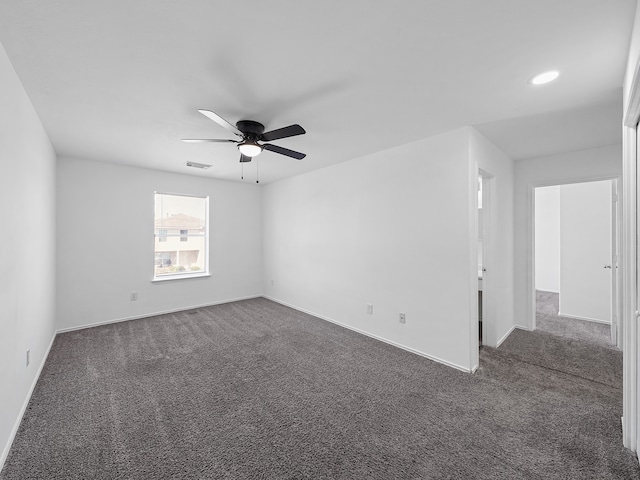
[(586, 251)]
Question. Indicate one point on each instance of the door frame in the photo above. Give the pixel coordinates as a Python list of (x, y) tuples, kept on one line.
[(531, 234), (488, 252), (615, 247), (616, 297), (629, 267)]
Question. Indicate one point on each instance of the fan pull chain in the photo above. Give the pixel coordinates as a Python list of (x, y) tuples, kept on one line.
[(241, 171), (257, 172)]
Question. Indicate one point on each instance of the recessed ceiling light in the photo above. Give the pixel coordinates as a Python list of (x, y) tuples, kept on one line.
[(545, 77)]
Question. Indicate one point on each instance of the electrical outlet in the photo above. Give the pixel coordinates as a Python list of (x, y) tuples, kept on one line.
[(28, 355), (369, 309), (402, 318), (134, 296)]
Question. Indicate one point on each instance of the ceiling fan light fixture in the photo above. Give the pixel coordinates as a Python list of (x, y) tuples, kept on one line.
[(249, 148)]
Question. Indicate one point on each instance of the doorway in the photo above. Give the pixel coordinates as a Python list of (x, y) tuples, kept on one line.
[(575, 260), (485, 249)]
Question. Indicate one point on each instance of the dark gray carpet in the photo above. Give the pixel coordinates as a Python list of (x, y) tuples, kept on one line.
[(596, 363), (255, 390), (548, 320)]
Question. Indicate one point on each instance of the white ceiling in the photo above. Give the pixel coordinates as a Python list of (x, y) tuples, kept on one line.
[(122, 81), (549, 133)]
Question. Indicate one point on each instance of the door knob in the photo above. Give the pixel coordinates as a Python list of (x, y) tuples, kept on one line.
[(607, 266)]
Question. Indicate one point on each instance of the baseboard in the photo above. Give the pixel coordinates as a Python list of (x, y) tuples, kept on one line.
[(382, 339), (16, 426), (521, 327), (147, 315), (504, 337), (586, 319)]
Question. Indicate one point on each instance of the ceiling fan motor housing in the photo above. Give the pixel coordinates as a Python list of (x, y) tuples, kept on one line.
[(252, 130)]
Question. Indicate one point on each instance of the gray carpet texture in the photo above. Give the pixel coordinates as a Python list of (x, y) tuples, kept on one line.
[(256, 390), (548, 320)]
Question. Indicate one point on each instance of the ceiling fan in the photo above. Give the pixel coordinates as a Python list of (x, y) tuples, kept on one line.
[(250, 134)]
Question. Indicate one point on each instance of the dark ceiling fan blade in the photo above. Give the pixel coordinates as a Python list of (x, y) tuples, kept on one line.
[(284, 151), (244, 158), (284, 132), (221, 121), (205, 140)]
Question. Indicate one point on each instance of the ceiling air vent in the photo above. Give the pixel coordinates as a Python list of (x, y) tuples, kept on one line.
[(197, 165)]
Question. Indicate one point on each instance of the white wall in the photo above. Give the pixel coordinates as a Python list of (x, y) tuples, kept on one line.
[(390, 229), (498, 279), (585, 246), (633, 57), (105, 243), (27, 253), (584, 165), (547, 235)]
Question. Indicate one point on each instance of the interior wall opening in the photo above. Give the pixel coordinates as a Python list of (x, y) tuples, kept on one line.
[(575, 260), (485, 249)]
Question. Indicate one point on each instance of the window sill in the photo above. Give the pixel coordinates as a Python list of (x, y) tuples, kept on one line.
[(184, 276)]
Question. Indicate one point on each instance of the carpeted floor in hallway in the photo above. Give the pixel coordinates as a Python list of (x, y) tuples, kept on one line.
[(550, 321)]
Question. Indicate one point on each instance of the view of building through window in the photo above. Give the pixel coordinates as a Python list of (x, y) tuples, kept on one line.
[(181, 235)]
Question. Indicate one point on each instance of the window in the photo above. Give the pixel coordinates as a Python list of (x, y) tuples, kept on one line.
[(181, 234), (163, 259)]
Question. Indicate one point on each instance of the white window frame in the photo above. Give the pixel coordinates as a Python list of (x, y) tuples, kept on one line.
[(185, 274)]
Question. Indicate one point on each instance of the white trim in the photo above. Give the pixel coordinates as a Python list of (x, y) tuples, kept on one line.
[(147, 315), (474, 347), (158, 192), (627, 262), (179, 276), (572, 180), (382, 339), (504, 337), (530, 312), (23, 409), (632, 113), (489, 300), (586, 319), (616, 299), (522, 327)]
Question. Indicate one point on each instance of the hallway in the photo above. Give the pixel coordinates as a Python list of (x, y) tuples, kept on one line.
[(548, 320)]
